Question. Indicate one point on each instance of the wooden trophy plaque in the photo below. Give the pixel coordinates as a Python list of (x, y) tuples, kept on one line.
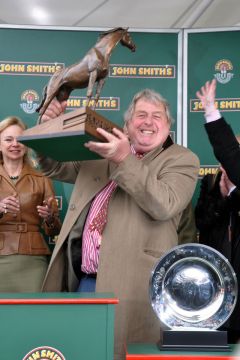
[(63, 138)]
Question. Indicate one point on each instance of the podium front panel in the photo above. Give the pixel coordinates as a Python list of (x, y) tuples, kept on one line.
[(57, 326)]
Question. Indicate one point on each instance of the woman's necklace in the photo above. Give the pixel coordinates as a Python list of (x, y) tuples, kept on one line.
[(14, 177)]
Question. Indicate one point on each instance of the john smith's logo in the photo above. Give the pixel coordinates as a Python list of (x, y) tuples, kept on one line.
[(223, 66), (44, 353), (29, 102)]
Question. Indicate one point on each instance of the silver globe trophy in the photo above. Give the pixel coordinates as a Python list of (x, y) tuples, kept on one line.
[(193, 291)]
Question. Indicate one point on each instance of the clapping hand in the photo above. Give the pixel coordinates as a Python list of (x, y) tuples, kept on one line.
[(46, 211), (225, 184), (10, 204)]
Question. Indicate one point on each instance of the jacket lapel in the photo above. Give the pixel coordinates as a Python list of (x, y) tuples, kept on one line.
[(155, 152)]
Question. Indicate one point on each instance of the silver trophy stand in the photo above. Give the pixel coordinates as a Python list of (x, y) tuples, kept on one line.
[(212, 340), (193, 291)]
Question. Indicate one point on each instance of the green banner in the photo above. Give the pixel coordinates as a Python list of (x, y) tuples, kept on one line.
[(29, 57), (210, 54)]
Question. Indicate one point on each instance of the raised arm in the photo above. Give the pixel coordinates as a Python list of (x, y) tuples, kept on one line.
[(220, 134), (63, 171)]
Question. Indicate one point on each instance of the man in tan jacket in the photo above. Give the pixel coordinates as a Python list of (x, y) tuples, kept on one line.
[(146, 182)]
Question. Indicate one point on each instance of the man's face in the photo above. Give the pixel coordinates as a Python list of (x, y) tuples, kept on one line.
[(149, 126)]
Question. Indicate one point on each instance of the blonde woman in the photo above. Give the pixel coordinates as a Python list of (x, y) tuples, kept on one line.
[(27, 204)]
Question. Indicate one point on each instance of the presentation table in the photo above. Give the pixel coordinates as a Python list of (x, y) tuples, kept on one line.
[(57, 326)]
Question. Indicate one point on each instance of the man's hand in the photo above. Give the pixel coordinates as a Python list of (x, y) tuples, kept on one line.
[(226, 186), (207, 95), (54, 109), (116, 149)]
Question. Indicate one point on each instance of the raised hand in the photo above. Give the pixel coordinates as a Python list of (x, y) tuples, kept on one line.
[(116, 149), (207, 95)]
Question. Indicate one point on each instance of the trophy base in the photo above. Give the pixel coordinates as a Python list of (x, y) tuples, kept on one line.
[(63, 138), (209, 340)]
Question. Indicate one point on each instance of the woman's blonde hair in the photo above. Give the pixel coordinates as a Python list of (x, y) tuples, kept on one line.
[(9, 121)]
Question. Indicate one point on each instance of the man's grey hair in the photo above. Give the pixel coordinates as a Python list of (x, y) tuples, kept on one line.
[(151, 96)]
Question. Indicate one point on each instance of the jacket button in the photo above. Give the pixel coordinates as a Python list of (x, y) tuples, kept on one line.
[(97, 179), (72, 207)]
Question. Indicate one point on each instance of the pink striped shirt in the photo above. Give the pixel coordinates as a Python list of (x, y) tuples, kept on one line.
[(91, 239)]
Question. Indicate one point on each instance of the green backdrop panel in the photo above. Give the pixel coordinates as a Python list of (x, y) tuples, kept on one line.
[(211, 54), (28, 57)]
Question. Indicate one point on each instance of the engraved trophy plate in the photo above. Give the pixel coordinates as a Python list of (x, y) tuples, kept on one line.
[(193, 287)]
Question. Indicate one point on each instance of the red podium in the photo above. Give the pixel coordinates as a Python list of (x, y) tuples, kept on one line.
[(151, 352)]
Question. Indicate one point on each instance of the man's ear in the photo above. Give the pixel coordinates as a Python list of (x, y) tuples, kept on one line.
[(125, 130)]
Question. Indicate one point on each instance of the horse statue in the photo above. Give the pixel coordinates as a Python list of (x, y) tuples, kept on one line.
[(93, 68)]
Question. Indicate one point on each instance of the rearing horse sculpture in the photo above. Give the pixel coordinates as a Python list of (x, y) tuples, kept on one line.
[(93, 68)]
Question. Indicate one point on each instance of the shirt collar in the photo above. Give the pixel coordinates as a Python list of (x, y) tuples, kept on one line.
[(168, 142)]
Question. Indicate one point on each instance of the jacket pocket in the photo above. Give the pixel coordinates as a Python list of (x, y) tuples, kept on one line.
[(153, 253), (38, 243), (2, 238)]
